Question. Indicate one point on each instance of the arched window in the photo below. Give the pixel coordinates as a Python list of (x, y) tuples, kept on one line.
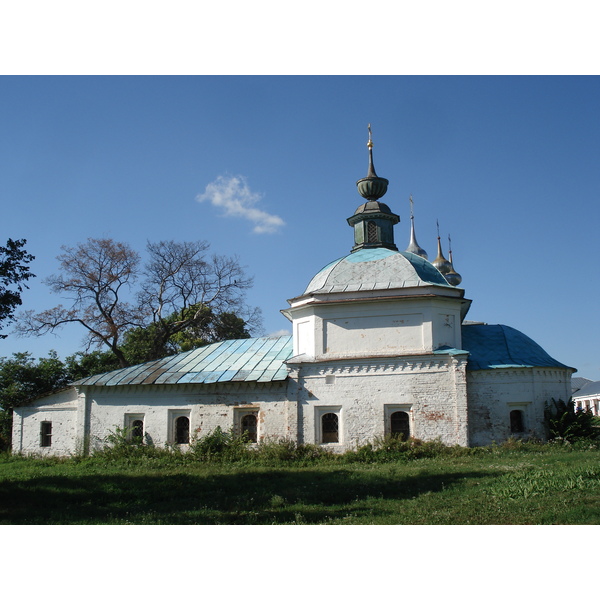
[(400, 424), (137, 430), (516, 421), (330, 428), (182, 430), (372, 232), (249, 426)]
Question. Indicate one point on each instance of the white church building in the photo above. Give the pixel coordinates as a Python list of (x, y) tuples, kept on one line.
[(379, 346)]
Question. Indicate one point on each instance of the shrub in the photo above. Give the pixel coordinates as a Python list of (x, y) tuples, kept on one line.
[(286, 450), (220, 445), (120, 444), (563, 422)]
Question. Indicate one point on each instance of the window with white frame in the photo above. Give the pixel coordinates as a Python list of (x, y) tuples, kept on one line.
[(179, 426), (328, 424), (134, 425), (398, 420), (246, 422)]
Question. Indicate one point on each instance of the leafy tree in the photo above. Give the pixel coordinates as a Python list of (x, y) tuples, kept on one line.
[(563, 421), (185, 298), (143, 344), (82, 364), (205, 327), (13, 273), (22, 378)]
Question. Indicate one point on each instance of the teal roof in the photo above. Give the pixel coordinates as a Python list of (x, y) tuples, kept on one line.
[(375, 269), (502, 347), (254, 359)]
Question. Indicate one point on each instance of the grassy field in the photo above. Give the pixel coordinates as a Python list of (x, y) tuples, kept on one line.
[(513, 484)]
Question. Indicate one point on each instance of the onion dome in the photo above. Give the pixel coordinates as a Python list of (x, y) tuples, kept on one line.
[(373, 221), (440, 263), (413, 246), (452, 277)]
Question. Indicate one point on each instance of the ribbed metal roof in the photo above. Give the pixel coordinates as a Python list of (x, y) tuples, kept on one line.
[(263, 359), (502, 347), (256, 359), (375, 269)]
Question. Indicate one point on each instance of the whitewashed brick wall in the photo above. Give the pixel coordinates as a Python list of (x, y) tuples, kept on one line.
[(365, 392), (494, 393), (60, 409)]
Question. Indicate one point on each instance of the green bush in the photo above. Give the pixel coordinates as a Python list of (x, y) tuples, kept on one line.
[(120, 444), (564, 422), (394, 448), (286, 450), (220, 445)]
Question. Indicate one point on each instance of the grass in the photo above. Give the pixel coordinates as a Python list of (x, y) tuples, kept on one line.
[(517, 483)]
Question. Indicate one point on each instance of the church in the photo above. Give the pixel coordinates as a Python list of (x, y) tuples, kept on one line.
[(380, 346)]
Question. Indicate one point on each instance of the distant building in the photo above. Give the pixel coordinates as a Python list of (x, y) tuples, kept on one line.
[(588, 397), (379, 346), (578, 383)]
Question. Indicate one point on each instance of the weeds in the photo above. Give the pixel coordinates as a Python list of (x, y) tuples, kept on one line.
[(224, 480), (221, 446)]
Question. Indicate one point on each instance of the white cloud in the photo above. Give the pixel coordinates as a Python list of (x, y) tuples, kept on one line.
[(232, 194), (280, 333)]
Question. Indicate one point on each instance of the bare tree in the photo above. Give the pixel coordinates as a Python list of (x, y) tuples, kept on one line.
[(95, 277), (182, 289)]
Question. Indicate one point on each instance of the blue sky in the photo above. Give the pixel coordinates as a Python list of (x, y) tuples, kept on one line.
[(507, 164)]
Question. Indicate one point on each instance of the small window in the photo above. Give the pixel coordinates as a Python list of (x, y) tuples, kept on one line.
[(46, 434), (400, 424), (372, 232), (516, 421), (330, 428), (182, 430), (137, 431), (249, 426)]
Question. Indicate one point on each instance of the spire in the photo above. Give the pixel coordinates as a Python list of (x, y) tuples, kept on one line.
[(452, 277), (371, 172), (440, 263), (372, 187), (373, 221), (413, 246)]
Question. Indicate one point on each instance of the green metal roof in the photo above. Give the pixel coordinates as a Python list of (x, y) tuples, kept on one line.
[(256, 359)]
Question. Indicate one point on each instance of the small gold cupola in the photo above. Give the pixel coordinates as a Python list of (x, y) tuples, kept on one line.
[(440, 262)]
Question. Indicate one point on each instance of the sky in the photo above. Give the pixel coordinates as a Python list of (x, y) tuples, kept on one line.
[(265, 168)]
